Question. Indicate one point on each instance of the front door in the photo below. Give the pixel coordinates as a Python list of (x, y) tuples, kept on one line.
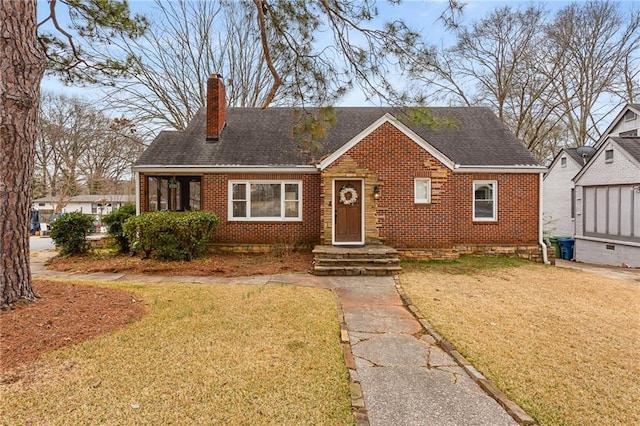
[(347, 201)]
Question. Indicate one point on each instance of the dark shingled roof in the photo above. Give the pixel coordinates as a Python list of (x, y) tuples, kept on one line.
[(631, 145), (255, 137)]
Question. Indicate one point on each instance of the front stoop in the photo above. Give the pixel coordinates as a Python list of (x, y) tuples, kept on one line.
[(364, 260)]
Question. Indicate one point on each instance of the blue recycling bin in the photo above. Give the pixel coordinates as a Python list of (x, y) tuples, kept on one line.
[(566, 247)]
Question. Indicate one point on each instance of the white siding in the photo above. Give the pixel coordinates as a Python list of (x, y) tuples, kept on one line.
[(557, 187), (608, 205), (624, 126), (620, 171), (612, 253)]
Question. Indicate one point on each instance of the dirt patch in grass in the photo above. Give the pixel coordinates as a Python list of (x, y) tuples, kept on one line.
[(224, 264), (562, 343), (65, 314)]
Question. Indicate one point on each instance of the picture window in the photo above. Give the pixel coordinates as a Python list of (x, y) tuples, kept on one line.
[(265, 200)]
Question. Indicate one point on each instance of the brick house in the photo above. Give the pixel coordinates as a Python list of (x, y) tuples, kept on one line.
[(467, 186)]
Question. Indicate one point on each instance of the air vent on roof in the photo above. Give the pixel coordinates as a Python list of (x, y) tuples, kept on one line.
[(586, 152)]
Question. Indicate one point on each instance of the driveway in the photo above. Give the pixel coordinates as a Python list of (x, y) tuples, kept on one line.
[(41, 243)]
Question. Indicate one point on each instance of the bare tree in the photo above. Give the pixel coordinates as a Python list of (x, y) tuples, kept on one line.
[(494, 63), (545, 78), (79, 148), (186, 42), (108, 160), (590, 44)]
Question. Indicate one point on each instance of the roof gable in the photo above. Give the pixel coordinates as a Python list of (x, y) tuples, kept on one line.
[(386, 118), (567, 153), (619, 118), (629, 147)]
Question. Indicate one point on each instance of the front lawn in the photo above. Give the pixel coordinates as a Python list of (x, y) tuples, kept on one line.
[(563, 344), (202, 354)]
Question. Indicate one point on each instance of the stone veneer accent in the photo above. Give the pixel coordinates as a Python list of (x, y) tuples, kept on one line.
[(529, 252), (348, 168)]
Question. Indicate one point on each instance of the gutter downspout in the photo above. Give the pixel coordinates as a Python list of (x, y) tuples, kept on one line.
[(543, 246)]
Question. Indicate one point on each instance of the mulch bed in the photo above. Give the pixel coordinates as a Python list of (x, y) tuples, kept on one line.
[(64, 314)]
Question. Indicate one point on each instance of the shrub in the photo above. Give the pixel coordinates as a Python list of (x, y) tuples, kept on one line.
[(115, 221), (69, 233), (171, 235)]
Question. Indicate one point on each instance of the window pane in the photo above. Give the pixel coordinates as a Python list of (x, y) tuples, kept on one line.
[(484, 192), (194, 194), (164, 193), (291, 208), (152, 194), (239, 209), (291, 191), (239, 191), (484, 209), (265, 200), (422, 189)]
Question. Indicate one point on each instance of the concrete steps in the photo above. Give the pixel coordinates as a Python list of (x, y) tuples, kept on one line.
[(348, 261)]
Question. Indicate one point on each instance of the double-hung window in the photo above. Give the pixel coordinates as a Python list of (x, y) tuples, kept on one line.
[(485, 200), (265, 200)]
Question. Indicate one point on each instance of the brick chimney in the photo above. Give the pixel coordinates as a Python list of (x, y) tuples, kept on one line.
[(216, 107)]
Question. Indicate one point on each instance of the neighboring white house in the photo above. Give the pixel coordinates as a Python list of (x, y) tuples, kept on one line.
[(626, 124), (607, 193), (95, 205), (558, 199)]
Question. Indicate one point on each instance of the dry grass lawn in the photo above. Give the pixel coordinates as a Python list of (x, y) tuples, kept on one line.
[(563, 344), (224, 354)]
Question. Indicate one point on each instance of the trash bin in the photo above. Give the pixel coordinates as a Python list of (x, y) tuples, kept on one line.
[(566, 247), (556, 247)]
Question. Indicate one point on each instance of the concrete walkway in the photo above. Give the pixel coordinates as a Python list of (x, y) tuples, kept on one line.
[(405, 378), (625, 274)]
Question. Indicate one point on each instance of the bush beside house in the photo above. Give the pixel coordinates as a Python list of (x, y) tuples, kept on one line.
[(170, 235)]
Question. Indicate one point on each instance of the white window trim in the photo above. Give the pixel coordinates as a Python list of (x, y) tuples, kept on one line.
[(416, 198), (248, 184), (494, 218)]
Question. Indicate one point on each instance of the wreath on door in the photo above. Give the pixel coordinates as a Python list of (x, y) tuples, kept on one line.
[(353, 195)]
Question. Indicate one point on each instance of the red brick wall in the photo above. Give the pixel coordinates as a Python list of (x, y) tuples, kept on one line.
[(395, 160), (214, 198), (448, 219), (517, 210)]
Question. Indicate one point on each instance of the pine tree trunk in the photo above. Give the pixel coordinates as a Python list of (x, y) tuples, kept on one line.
[(21, 69)]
